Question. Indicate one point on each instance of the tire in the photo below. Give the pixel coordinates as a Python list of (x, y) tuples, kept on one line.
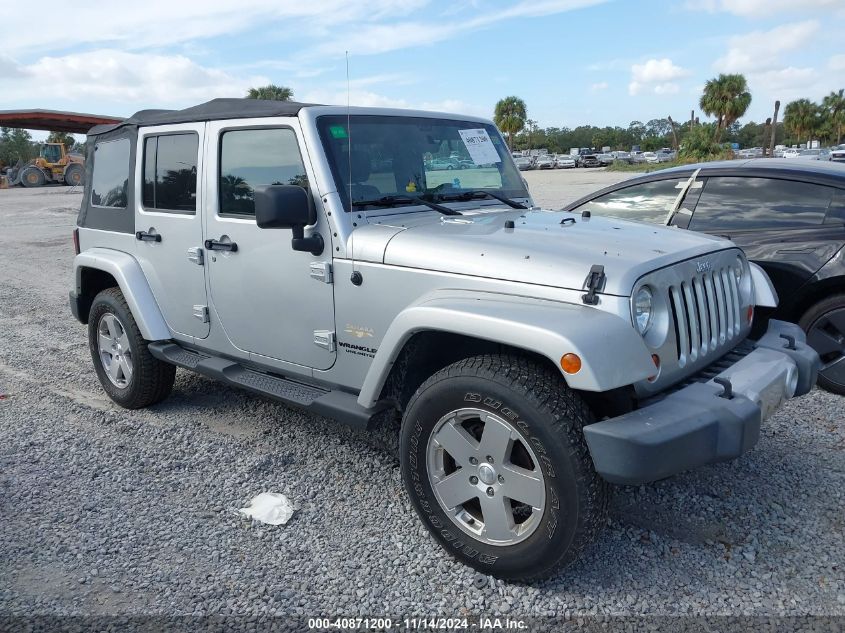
[(74, 174), (546, 479), (130, 375), (32, 177), (824, 324)]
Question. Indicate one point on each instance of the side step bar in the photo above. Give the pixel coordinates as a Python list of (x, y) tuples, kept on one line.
[(338, 405)]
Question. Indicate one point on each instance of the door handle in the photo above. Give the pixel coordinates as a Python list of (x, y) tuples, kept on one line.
[(144, 236), (214, 245)]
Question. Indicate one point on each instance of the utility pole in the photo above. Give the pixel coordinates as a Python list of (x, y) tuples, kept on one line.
[(774, 129)]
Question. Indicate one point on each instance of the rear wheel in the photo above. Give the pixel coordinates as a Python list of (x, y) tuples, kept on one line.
[(495, 462), (129, 374), (32, 177), (74, 174), (824, 324)]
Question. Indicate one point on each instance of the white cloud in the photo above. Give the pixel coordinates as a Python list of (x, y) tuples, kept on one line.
[(601, 85), (759, 50), (761, 8), (837, 62), (656, 75), (139, 25), (368, 98), (371, 39), (120, 77)]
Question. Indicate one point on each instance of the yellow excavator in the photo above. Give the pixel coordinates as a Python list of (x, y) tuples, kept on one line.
[(54, 164)]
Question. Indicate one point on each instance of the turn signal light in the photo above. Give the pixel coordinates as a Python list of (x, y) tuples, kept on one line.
[(750, 313), (570, 363)]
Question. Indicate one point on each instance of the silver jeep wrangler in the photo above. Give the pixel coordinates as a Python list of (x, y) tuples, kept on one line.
[(362, 262)]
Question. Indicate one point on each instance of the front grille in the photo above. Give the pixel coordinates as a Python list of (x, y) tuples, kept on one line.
[(706, 313)]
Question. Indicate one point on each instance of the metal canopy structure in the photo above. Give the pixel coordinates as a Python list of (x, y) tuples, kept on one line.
[(54, 120)]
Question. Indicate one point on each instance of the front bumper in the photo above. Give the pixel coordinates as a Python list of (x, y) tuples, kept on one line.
[(698, 424)]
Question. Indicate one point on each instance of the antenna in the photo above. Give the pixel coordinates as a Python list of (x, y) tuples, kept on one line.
[(349, 164)]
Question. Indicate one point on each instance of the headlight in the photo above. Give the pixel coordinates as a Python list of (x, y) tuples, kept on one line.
[(643, 309), (740, 265)]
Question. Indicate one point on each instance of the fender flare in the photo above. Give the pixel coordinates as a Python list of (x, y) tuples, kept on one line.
[(612, 353), (133, 284), (765, 294)]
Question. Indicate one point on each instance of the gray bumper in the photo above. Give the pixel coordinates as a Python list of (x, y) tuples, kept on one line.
[(697, 425)]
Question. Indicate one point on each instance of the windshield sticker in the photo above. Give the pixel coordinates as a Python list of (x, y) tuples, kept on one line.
[(479, 146), (338, 131)]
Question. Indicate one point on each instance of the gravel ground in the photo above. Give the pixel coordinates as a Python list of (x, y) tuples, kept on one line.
[(107, 511)]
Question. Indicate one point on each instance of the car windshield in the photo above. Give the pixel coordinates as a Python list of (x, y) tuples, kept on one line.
[(373, 157)]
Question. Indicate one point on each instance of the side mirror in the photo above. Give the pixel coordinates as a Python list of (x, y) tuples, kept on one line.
[(288, 207)]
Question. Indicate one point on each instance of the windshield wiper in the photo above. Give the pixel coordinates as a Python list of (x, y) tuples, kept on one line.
[(389, 201), (466, 196)]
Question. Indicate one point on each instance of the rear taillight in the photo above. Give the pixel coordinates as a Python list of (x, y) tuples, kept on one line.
[(76, 241)]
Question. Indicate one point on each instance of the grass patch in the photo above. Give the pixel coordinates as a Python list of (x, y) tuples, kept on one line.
[(643, 168)]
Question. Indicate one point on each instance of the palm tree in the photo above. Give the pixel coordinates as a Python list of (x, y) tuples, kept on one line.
[(270, 92), (834, 104), (799, 117), (509, 116), (727, 98)]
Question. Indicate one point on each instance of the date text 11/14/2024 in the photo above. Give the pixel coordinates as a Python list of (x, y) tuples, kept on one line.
[(482, 623)]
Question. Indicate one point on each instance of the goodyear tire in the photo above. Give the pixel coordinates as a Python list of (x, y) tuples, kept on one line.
[(32, 177), (74, 174), (129, 374), (495, 462)]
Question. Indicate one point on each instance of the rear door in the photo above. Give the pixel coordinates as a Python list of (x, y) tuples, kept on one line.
[(779, 223), (169, 226)]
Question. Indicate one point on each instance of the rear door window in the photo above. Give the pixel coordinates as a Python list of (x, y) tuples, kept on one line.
[(646, 202), (170, 172), (110, 180), (739, 203)]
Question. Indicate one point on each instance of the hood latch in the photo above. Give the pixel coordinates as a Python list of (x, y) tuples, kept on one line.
[(593, 284)]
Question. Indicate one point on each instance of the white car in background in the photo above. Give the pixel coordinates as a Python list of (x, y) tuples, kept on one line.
[(791, 152), (814, 154), (524, 163), (566, 161), (837, 154), (546, 161)]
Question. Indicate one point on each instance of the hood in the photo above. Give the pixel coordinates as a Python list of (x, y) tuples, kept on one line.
[(538, 250)]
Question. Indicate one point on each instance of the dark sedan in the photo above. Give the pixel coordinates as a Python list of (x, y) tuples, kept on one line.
[(589, 160), (788, 216)]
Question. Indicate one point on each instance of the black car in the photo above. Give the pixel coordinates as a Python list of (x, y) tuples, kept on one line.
[(589, 160), (787, 215)]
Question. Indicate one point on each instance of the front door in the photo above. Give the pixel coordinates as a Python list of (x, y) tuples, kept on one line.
[(168, 224), (262, 290)]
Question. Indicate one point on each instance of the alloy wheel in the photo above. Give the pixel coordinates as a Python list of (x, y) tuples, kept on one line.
[(114, 350), (486, 476)]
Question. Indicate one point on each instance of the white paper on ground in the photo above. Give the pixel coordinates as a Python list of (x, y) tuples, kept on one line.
[(272, 508), (479, 146)]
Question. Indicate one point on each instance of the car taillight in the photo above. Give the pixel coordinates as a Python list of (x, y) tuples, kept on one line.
[(76, 241)]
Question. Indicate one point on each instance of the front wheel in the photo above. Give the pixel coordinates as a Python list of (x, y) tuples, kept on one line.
[(495, 462), (824, 324), (129, 374)]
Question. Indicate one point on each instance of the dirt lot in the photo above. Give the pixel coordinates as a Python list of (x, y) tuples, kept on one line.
[(106, 511)]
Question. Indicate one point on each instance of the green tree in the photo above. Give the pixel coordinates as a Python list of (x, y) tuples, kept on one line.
[(16, 145), (727, 98), (800, 118), (62, 137), (834, 106), (699, 144), (270, 92), (510, 116)]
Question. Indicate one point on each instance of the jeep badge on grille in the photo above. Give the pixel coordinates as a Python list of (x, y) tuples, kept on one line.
[(703, 267)]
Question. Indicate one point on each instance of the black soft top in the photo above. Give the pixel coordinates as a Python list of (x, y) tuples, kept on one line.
[(208, 111)]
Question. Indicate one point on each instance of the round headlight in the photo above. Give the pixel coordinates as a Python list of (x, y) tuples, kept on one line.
[(642, 309), (740, 265)]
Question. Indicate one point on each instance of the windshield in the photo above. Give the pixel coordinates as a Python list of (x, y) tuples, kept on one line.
[(414, 156)]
